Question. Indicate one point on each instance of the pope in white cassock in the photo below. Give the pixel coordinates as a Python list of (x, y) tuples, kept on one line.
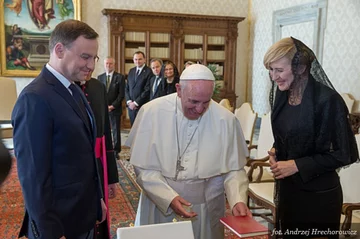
[(187, 150)]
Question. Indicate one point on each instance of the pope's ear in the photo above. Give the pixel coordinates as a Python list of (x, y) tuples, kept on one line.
[(178, 89)]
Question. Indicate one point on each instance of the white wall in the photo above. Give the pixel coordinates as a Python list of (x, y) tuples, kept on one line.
[(91, 14), (340, 52), (236, 8)]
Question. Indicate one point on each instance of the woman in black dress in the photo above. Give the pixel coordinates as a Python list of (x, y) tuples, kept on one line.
[(312, 137), (172, 77)]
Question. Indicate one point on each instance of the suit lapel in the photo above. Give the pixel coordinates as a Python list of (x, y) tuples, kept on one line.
[(138, 77), (65, 94)]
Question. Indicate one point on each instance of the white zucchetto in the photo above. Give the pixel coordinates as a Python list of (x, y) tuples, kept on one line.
[(197, 72)]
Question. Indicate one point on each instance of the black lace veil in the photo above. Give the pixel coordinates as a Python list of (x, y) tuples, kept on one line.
[(303, 55)]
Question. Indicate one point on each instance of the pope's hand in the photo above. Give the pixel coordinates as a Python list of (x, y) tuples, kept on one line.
[(240, 209), (177, 205)]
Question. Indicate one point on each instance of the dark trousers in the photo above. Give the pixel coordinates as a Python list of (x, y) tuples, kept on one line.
[(132, 115), (87, 235), (115, 122)]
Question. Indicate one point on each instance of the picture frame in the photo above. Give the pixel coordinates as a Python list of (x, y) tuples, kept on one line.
[(25, 28)]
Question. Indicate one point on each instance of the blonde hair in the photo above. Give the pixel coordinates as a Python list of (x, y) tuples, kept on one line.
[(283, 48)]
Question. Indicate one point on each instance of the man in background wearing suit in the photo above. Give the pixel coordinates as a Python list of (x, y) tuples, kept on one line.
[(137, 91), (115, 87), (156, 84), (54, 141)]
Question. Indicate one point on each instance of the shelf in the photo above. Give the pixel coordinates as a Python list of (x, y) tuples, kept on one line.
[(135, 36), (129, 52), (192, 45), (159, 52), (175, 37), (160, 38), (193, 39), (216, 40), (159, 44), (216, 55)]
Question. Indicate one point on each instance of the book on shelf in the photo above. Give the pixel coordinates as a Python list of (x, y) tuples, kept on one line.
[(160, 37), (244, 226)]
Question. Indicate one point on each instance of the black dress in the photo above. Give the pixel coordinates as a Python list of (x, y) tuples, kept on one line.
[(318, 136)]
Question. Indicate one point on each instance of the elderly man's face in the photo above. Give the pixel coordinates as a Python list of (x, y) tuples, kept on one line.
[(195, 97)]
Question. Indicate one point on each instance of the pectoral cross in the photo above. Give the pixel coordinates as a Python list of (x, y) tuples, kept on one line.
[(178, 168)]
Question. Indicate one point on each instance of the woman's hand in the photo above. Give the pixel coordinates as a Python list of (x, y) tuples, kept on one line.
[(282, 169)]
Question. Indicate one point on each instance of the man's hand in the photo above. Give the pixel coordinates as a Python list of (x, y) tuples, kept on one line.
[(132, 106), (104, 210), (111, 108), (63, 237), (177, 205), (282, 169), (112, 188), (240, 209)]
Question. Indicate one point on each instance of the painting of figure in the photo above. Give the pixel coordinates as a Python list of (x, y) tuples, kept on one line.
[(25, 28)]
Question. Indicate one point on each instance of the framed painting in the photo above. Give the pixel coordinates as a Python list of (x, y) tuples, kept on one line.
[(25, 28)]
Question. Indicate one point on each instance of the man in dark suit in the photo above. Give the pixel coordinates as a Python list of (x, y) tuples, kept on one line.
[(54, 139), (115, 86), (137, 91), (156, 82), (96, 95)]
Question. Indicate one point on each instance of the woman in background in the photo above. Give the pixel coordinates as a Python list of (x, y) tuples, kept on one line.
[(172, 77), (312, 137)]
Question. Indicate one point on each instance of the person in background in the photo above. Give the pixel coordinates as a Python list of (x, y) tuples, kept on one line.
[(54, 141), (156, 81), (172, 77), (5, 162), (207, 157), (96, 95), (188, 63), (137, 91), (313, 138), (115, 88)]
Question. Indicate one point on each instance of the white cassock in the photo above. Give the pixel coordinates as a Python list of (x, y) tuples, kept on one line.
[(213, 153)]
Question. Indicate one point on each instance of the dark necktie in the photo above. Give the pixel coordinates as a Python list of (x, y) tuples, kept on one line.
[(156, 83), (78, 99), (108, 82), (137, 74)]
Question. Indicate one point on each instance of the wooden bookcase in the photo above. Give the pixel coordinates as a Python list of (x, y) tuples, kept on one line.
[(175, 37)]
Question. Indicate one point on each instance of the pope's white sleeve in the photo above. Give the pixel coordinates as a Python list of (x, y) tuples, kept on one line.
[(156, 188), (236, 185)]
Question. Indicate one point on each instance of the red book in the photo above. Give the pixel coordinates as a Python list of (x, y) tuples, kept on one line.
[(244, 226)]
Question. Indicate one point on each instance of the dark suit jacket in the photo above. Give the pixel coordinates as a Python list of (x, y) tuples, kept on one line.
[(56, 162), (95, 93), (116, 92), (139, 90), (159, 90)]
